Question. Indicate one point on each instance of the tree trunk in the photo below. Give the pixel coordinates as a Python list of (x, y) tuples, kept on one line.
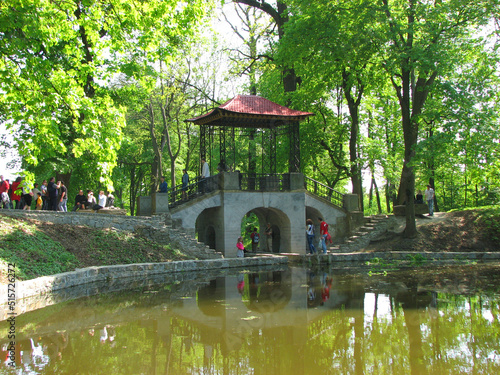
[(353, 104), (289, 78), (374, 187), (64, 177), (132, 192), (432, 168), (388, 195)]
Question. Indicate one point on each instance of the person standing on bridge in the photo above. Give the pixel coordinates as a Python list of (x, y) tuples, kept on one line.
[(205, 173), (323, 231), (163, 185), (310, 235)]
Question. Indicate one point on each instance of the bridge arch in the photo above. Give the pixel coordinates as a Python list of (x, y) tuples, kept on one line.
[(280, 224), (208, 229)]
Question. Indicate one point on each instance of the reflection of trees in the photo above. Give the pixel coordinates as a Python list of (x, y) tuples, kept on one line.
[(413, 331), (412, 303)]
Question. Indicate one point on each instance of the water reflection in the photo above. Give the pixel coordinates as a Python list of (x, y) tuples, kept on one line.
[(296, 321)]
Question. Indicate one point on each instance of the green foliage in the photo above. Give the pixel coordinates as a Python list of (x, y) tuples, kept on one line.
[(57, 66), (249, 222), (33, 252), (98, 88), (489, 218), (417, 259), (379, 266)]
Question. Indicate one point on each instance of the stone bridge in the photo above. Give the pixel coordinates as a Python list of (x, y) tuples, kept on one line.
[(216, 207)]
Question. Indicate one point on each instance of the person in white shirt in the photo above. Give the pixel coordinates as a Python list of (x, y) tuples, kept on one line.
[(429, 197), (101, 201), (205, 169), (205, 173)]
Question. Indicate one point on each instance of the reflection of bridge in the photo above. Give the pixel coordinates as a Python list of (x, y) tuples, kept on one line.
[(216, 207), (261, 300)]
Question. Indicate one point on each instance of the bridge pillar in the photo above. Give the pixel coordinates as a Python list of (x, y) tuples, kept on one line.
[(229, 181), (351, 202), (153, 204), (354, 215), (297, 181), (161, 203)]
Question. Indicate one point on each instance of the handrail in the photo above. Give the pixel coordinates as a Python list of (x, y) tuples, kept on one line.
[(252, 182), (178, 195), (323, 191), (264, 182)]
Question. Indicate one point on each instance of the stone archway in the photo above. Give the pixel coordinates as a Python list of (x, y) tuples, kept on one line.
[(280, 223), (208, 228)]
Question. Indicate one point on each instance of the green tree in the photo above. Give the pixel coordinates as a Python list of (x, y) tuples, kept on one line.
[(57, 59), (425, 41)]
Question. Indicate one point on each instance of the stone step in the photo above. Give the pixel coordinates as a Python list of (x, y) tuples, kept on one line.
[(353, 239), (366, 229), (361, 234)]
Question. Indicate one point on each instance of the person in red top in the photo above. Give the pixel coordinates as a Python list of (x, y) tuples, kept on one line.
[(323, 231), (15, 197), (255, 240), (4, 193), (4, 185)]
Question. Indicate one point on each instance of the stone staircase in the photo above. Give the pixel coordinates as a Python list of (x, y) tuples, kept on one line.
[(179, 238), (372, 228)]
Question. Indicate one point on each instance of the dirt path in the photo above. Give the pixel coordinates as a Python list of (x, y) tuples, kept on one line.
[(452, 231)]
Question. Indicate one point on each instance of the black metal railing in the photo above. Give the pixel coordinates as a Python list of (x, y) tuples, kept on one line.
[(264, 182), (323, 191), (252, 182), (179, 194)]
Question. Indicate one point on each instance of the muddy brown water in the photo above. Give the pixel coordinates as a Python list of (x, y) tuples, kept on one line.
[(442, 320)]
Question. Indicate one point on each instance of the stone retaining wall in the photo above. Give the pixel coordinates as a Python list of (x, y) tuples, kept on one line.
[(90, 219), (394, 256), (48, 284)]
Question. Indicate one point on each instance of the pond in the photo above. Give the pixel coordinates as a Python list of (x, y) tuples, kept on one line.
[(442, 320)]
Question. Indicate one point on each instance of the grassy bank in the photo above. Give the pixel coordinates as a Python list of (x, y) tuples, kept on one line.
[(487, 220), (39, 249)]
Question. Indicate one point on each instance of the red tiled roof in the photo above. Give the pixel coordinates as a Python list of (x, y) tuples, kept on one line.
[(255, 106)]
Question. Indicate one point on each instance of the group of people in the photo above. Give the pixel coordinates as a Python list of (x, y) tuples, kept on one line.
[(89, 201), (50, 196), (323, 232), (18, 195), (163, 188), (255, 239)]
